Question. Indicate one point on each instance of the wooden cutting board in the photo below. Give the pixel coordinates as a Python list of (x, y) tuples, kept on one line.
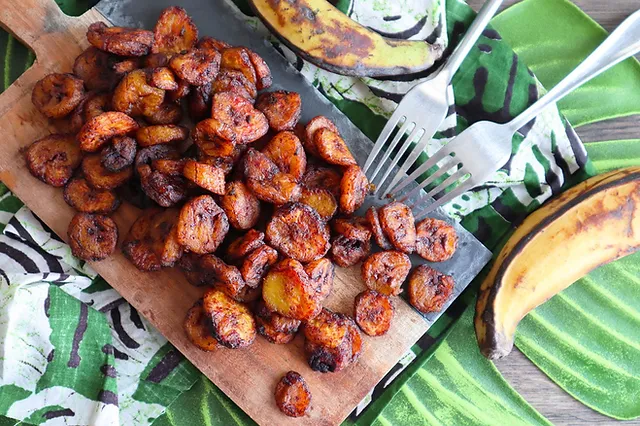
[(248, 376)]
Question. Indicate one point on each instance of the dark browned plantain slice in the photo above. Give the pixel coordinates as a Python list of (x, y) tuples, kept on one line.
[(202, 225), (398, 226), (429, 289), (373, 312), (436, 240), (385, 272), (282, 109), (332, 148), (119, 154), (240, 205), (242, 246), (293, 396), (101, 178), (174, 32), (205, 176), (198, 328), (57, 95), (354, 187), (120, 41), (232, 322), (53, 159), (79, 195), (92, 237), (196, 66), (256, 265), (286, 152)]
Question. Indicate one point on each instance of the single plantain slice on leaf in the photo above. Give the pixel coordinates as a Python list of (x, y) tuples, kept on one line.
[(591, 224), (326, 37)]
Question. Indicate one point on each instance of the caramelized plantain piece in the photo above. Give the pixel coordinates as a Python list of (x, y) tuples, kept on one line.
[(101, 178), (293, 396), (120, 41), (155, 152), (346, 252), (256, 265), (135, 96), (207, 42), (169, 167), (162, 78), (355, 228), (315, 124), (196, 66), (263, 73), (429, 289), (92, 237), (282, 109), (297, 231), (240, 121), (199, 101), (321, 273), (332, 148), (274, 327), (237, 58), (287, 290), (95, 105), (324, 178), (206, 138), (202, 225), (205, 176), (160, 134), (57, 95), (166, 113), (329, 343), (97, 131), (385, 272), (376, 228), (242, 246), (399, 226), (226, 277), (198, 328), (324, 360), (125, 66), (53, 159), (189, 263), (259, 167), (354, 187), (79, 195), (93, 67), (436, 240), (240, 205), (356, 340), (373, 312), (249, 294), (321, 200), (174, 32), (281, 189), (327, 329), (183, 88), (232, 322), (155, 60), (119, 154), (235, 82), (286, 152), (165, 190)]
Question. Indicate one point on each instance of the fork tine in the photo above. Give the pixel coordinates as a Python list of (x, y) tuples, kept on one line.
[(384, 135), (390, 147), (463, 187), (397, 157), (448, 181), (436, 158), (413, 156), (442, 170)]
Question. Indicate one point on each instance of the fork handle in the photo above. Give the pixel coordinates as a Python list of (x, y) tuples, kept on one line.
[(621, 44), (489, 8)]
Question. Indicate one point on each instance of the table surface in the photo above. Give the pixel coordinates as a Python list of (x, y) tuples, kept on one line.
[(545, 396)]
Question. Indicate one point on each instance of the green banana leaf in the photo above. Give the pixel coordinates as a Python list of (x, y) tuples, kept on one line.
[(611, 155)]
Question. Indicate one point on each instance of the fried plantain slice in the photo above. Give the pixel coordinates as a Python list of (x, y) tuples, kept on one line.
[(256, 265), (196, 66), (57, 95), (92, 237), (286, 152), (280, 189), (119, 154), (376, 228), (324, 178), (135, 96), (155, 60), (399, 226), (165, 190), (174, 32), (297, 231), (183, 88), (321, 200), (189, 263), (282, 109), (166, 113), (205, 176), (162, 78), (242, 246), (119, 40), (315, 124), (328, 341), (226, 277), (240, 205), (293, 396), (97, 131), (235, 82), (155, 152), (332, 148), (125, 66), (356, 340), (346, 252), (232, 323), (95, 105), (436, 240), (93, 67), (429, 289), (169, 167), (287, 290), (198, 328), (263, 73), (101, 178), (53, 159), (237, 58), (206, 138), (241, 122), (321, 273), (354, 187), (259, 167), (355, 228), (207, 42), (385, 272), (274, 327), (373, 312), (324, 360), (160, 134), (202, 225), (79, 195), (199, 101)]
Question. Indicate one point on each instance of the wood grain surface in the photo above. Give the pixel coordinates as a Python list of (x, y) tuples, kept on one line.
[(248, 376), (547, 397)]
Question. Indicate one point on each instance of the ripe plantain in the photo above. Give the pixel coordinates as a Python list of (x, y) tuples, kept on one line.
[(591, 224), (326, 37)]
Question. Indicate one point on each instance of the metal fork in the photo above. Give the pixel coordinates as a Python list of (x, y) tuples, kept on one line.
[(423, 108), (480, 150)]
